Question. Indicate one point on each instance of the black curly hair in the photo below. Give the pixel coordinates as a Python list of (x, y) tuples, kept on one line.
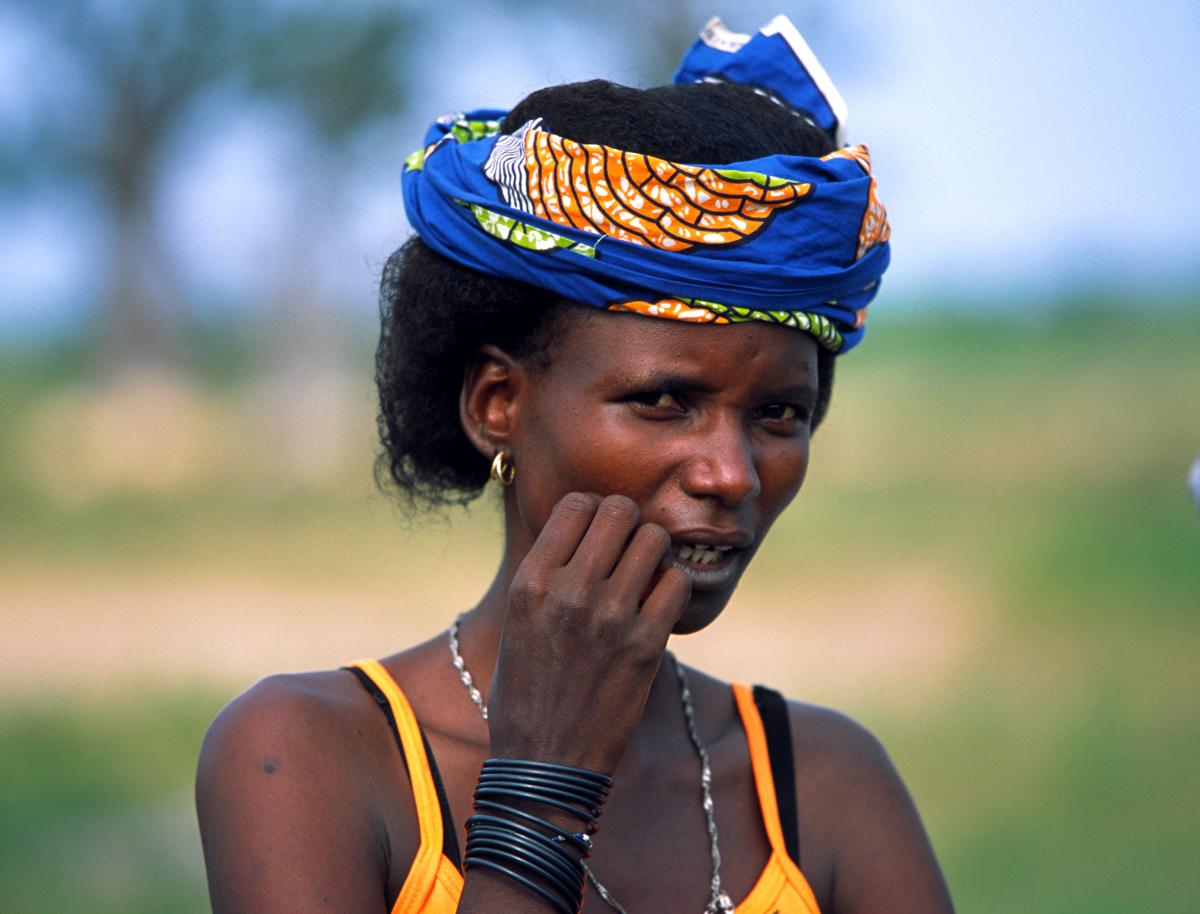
[(436, 314)]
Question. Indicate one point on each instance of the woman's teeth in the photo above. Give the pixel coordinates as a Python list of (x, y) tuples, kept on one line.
[(700, 555)]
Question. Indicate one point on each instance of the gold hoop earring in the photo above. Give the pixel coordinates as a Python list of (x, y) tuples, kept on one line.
[(503, 469)]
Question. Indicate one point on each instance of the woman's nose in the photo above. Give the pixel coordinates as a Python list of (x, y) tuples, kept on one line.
[(722, 465)]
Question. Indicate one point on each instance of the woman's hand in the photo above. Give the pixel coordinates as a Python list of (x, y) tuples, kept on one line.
[(589, 613)]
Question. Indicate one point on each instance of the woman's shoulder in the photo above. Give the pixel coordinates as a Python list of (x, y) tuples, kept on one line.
[(828, 738), (842, 769), (296, 711), (325, 706), (822, 737), (296, 735), (860, 830), (299, 780)]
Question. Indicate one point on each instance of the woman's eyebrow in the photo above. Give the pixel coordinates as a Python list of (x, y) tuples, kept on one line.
[(660, 379), (675, 380), (801, 390)]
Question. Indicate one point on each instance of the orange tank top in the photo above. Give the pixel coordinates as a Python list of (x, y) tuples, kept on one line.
[(434, 883)]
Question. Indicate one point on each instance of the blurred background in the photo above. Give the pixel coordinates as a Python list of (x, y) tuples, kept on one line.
[(994, 564)]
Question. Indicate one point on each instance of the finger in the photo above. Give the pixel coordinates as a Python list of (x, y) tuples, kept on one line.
[(564, 530), (642, 559), (606, 539), (655, 577), (666, 602)]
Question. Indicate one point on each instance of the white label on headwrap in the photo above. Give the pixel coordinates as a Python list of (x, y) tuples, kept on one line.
[(505, 167), (781, 25), (715, 35)]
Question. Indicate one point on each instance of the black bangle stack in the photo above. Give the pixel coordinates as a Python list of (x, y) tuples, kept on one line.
[(514, 842)]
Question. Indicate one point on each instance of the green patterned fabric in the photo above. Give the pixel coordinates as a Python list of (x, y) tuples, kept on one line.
[(534, 239)]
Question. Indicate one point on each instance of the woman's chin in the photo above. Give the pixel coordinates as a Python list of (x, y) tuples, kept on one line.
[(713, 585), (702, 610)]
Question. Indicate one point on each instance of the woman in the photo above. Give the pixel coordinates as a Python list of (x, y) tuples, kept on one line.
[(642, 461)]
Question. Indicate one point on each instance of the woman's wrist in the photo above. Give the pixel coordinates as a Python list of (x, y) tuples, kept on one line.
[(533, 824)]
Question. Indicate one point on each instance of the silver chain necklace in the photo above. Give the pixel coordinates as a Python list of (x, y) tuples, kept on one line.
[(719, 902)]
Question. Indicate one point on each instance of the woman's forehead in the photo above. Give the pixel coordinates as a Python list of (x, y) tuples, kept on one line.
[(590, 341)]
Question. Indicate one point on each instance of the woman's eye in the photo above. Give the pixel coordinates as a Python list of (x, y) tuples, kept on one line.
[(657, 399), (780, 412)]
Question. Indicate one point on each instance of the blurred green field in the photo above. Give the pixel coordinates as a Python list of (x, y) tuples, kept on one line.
[(994, 564)]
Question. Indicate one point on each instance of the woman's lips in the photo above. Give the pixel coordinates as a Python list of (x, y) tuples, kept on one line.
[(708, 567), (698, 553)]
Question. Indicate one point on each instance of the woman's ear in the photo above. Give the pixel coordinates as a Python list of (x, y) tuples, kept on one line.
[(486, 404)]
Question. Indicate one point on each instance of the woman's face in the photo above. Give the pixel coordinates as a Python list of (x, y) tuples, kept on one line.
[(705, 427)]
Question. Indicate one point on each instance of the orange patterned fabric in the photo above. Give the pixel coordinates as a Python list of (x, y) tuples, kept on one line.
[(434, 885), (646, 200), (672, 308)]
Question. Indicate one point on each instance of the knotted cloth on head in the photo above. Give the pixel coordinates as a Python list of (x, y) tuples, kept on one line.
[(786, 239)]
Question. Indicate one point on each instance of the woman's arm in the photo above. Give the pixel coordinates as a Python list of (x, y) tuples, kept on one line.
[(862, 844), (589, 613), (285, 791), (302, 799), (587, 622)]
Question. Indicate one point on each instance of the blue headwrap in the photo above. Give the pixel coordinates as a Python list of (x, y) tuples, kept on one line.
[(787, 239)]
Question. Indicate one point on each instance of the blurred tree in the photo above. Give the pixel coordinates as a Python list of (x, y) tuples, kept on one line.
[(659, 32), (140, 65)]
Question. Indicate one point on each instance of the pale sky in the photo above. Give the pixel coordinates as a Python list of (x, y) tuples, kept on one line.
[(1023, 149)]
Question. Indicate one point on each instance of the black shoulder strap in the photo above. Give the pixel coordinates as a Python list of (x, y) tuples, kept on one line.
[(449, 838), (778, 728)]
